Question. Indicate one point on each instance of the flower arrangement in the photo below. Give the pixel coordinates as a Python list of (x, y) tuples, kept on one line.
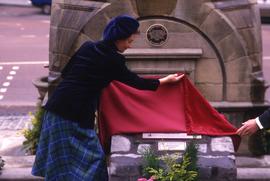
[(32, 134)]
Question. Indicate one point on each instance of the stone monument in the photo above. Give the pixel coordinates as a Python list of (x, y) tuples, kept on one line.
[(216, 43)]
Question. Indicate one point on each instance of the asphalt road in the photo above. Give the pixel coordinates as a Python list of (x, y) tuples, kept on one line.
[(24, 47)]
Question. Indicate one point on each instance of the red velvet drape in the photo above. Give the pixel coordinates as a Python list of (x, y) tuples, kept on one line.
[(173, 108)]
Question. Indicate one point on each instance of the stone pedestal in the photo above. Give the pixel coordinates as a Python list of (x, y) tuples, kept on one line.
[(216, 42), (216, 154)]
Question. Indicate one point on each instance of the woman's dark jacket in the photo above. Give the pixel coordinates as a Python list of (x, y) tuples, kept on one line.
[(91, 69)]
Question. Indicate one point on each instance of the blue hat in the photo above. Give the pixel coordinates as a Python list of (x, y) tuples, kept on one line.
[(120, 27)]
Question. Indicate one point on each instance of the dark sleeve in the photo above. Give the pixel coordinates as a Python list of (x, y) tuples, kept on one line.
[(265, 119), (68, 66), (84, 48), (124, 75)]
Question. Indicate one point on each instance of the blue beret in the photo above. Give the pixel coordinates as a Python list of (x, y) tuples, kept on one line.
[(120, 27)]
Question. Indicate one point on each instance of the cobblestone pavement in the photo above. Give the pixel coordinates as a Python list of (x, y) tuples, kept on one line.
[(11, 133), (14, 122)]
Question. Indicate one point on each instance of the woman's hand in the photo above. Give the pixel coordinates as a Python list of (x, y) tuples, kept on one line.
[(171, 78)]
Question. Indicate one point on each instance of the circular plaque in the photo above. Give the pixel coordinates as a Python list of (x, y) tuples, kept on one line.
[(157, 34)]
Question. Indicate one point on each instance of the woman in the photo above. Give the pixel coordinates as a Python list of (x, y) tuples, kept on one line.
[(69, 148)]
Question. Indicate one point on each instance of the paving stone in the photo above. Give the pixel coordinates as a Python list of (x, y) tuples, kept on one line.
[(14, 122)]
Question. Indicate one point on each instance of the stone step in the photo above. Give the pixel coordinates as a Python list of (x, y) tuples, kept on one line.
[(24, 174), (18, 161), (253, 174), (18, 174), (253, 168), (253, 162), (18, 168), (11, 143)]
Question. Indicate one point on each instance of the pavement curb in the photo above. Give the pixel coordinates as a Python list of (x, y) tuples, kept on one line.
[(16, 174), (18, 168), (8, 109)]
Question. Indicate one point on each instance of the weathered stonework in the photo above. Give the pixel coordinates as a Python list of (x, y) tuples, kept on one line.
[(123, 147), (216, 160), (216, 43), (225, 30)]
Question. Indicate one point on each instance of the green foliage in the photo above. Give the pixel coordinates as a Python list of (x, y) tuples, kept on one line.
[(192, 151), (258, 144), (173, 170), (150, 160), (267, 141), (2, 163), (32, 134)]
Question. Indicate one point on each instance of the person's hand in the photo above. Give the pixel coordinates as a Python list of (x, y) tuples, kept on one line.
[(171, 78), (248, 128)]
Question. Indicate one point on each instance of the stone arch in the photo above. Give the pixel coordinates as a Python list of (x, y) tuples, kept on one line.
[(207, 18), (204, 36)]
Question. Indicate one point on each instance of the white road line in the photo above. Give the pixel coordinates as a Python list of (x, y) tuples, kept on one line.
[(9, 77), (12, 72), (1, 97), (266, 58), (28, 36), (45, 21), (6, 84), (1, 67), (3, 90), (24, 63), (15, 68)]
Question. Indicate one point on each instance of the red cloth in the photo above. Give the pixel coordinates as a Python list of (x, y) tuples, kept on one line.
[(173, 108)]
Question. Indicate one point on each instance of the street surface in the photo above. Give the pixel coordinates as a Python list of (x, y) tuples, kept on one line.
[(23, 53)]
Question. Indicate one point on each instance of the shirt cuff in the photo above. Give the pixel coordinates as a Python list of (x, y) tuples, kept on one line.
[(258, 123)]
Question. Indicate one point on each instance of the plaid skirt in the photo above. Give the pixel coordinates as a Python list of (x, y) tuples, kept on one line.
[(67, 152)]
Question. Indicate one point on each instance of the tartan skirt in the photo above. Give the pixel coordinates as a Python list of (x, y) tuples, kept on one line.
[(67, 152)]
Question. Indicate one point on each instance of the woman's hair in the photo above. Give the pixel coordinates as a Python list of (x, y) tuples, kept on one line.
[(120, 27)]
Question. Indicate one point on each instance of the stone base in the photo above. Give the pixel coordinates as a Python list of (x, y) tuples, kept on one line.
[(216, 160)]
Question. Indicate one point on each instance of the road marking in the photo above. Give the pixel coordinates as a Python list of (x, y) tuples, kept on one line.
[(22, 28), (15, 68), (18, 24), (266, 58), (24, 63), (12, 72), (1, 97), (46, 21), (6, 84), (1, 67), (3, 90), (9, 77), (28, 36)]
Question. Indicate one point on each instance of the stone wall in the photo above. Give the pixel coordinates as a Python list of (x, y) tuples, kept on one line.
[(228, 32)]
